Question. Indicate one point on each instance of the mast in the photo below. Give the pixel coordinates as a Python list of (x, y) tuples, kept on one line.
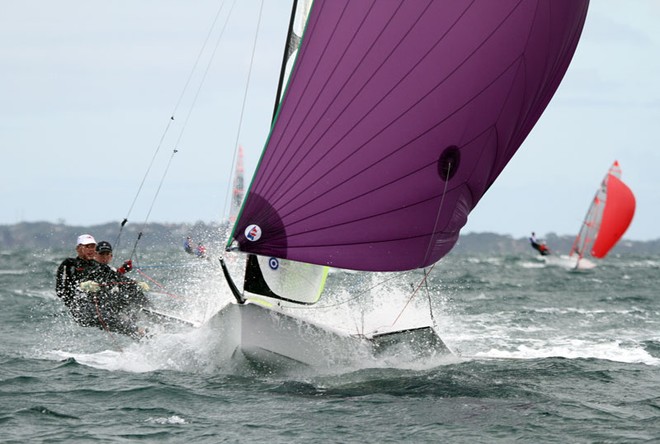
[(285, 57)]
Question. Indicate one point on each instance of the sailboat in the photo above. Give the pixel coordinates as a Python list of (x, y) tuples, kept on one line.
[(238, 191), (609, 216), (392, 121)]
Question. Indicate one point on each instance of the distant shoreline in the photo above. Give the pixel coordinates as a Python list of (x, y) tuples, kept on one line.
[(47, 235)]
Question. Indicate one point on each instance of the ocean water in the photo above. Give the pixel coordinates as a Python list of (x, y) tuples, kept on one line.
[(541, 353)]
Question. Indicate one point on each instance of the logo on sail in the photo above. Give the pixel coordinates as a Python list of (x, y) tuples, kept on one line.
[(253, 233), (273, 263)]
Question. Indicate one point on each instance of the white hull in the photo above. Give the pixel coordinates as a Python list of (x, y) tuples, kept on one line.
[(569, 262), (575, 263), (270, 339)]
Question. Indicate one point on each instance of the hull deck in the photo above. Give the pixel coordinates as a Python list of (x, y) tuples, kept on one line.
[(269, 339)]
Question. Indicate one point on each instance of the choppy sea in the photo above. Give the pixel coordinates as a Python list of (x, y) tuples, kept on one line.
[(541, 353)]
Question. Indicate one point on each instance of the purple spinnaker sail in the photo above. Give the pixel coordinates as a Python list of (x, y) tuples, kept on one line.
[(397, 117)]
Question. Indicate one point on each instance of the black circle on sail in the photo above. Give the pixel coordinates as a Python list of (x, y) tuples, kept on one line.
[(448, 162)]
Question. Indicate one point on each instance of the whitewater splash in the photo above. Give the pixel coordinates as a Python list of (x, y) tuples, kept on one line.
[(203, 349), (615, 350), (563, 261), (210, 347)]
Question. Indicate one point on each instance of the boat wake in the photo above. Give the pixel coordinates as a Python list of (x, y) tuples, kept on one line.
[(569, 262), (616, 351)]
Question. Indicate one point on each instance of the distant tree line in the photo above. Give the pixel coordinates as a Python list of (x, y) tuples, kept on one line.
[(46, 235), (472, 243)]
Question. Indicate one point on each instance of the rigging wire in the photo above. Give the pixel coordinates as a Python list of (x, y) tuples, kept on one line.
[(240, 121), (160, 184), (423, 282), (169, 123), (415, 290), (345, 301), (185, 125), (428, 249), (426, 271), (158, 284), (428, 297), (439, 212), (206, 71)]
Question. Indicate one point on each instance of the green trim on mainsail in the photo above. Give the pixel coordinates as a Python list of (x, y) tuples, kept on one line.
[(276, 111)]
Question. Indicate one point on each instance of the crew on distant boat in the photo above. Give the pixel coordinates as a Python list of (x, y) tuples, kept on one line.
[(539, 245), (187, 245), (200, 251), (95, 294)]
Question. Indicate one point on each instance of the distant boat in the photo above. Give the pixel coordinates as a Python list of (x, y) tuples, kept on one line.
[(238, 191), (609, 216), (392, 121)]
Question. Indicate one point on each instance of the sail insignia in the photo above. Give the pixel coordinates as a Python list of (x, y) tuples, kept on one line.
[(253, 233)]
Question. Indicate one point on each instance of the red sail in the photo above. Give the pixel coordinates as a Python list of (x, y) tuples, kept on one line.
[(617, 215)]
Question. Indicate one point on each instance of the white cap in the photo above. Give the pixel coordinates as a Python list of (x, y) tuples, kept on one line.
[(86, 239)]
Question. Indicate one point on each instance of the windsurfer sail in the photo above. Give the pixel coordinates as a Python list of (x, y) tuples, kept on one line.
[(609, 216), (396, 119)]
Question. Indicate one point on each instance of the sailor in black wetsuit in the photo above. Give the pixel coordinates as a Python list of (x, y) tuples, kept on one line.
[(90, 291), (71, 273), (128, 294)]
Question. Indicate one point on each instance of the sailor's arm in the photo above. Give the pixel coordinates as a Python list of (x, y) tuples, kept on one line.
[(65, 283)]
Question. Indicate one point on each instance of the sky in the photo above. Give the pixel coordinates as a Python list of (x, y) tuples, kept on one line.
[(87, 89)]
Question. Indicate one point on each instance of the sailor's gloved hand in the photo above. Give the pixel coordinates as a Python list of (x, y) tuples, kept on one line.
[(128, 266), (89, 286), (143, 286)]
